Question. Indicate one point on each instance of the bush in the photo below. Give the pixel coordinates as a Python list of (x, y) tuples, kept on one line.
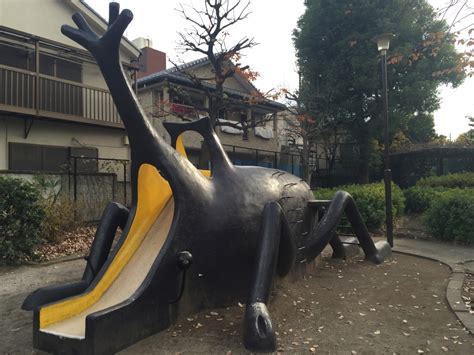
[(460, 180), (61, 215), (21, 215), (451, 216), (370, 199), (419, 199)]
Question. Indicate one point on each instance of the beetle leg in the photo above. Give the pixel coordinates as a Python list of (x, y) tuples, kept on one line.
[(324, 231), (258, 330)]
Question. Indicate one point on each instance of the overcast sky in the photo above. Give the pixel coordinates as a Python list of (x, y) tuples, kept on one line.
[(271, 24)]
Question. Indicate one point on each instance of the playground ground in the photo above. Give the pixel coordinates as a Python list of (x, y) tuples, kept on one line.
[(344, 307)]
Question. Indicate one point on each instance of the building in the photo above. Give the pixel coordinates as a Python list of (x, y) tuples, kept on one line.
[(332, 156), (54, 103), (159, 95)]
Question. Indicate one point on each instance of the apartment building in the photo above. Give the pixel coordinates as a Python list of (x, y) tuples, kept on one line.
[(54, 103)]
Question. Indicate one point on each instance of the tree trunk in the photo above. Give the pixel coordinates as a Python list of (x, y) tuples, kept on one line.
[(213, 113), (305, 160), (363, 161), (330, 150)]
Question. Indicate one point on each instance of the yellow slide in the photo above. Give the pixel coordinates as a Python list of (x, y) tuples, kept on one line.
[(146, 236)]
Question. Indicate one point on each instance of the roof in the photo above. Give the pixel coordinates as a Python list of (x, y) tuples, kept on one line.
[(152, 78), (175, 75)]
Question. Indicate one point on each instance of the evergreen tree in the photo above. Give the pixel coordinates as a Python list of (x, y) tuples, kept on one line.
[(340, 66)]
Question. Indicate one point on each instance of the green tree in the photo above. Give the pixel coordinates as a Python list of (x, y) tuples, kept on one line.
[(339, 61), (467, 138), (420, 128)]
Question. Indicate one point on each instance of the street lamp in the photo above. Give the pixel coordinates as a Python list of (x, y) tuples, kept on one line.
[(383, 43)]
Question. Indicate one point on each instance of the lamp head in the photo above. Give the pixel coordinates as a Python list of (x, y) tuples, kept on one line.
[(383, 41)]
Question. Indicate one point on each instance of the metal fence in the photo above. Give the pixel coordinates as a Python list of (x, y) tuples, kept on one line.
[(289, 162), (92, 183)]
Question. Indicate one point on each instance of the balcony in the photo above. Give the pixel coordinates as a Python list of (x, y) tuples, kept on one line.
[(40, 95)]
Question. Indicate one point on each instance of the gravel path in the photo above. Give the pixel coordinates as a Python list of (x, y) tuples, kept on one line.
[(15, 284), (354, 306)]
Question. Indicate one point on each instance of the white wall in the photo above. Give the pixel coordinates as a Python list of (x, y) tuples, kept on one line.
[(43, 18), (109, 142)]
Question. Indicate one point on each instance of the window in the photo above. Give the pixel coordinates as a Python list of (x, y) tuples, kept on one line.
[(24, 58), (63, 69), (33, 157), (24, 157), (68, 70), (17, 57), (86, 159), (46, 65)]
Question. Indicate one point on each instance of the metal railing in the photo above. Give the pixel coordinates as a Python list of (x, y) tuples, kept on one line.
[(289, 162), (94, 182), (37, 94), (118, 168)]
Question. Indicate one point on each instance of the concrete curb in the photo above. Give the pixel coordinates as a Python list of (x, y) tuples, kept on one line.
[(453, 290)]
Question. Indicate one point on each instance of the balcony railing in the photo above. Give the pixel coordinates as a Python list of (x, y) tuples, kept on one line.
[(41, 95)]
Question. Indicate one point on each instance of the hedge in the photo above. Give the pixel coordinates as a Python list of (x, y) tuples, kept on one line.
[(460, 180), (451, 216), (21, 216), (370, 199), (419, 199)]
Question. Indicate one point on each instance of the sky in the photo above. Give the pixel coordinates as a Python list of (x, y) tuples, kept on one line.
[(274, 57)]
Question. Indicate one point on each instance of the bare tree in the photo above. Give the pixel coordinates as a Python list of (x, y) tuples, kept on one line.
[(209, 35), (459, 14), (312, 130), (301, 126)]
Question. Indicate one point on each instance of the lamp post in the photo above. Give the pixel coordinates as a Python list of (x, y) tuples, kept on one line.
[(383, 43)]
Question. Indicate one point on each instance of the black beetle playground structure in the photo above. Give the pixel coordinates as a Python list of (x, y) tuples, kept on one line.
[(191, 240)]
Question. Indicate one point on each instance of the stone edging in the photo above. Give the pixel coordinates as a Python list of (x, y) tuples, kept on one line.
[(453, 290)]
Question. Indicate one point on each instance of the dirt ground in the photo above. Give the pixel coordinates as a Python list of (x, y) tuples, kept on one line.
[(341, 307)]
